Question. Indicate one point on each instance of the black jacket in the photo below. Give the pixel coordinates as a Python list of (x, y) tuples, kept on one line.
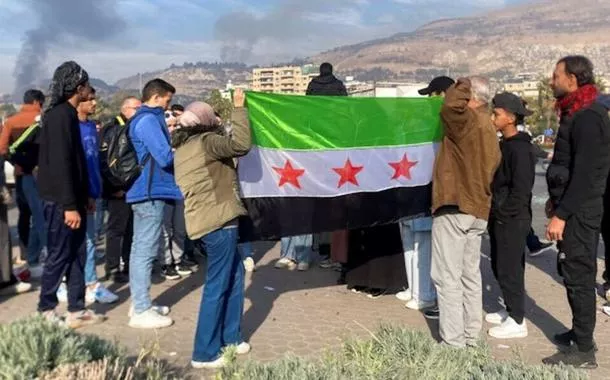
[(326, 85), (514, 179), (577, 175), (62, 169)]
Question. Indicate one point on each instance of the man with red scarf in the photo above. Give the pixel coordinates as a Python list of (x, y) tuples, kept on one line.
[(577, 180)]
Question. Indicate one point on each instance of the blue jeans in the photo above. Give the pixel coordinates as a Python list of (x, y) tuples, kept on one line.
[(245, 250), (147, 224), (38, 234), (90, 274), (222, 302), (297, 248), (417, 246)]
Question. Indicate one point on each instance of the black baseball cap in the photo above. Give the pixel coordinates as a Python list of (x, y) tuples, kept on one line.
[(438, 84), (511, 103)]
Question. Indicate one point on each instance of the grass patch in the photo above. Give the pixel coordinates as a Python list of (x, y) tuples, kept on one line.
[(392, 354), (34, 348)]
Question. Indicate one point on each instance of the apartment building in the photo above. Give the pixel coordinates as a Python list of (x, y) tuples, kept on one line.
[(525, 88), (284, 79)]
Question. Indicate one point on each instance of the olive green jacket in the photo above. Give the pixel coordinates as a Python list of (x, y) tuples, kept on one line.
[(206, 173)]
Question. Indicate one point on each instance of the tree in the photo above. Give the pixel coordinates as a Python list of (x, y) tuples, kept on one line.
[(223, 106), (7, 110), (544, 116)]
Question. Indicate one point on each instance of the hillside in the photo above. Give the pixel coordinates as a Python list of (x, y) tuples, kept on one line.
[(527, 38), (193, 79)]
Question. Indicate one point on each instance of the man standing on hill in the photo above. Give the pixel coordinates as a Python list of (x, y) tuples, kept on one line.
[(147, 197), (119, 232), (64, 188), (577, 180), (461, 201), (28, 201)]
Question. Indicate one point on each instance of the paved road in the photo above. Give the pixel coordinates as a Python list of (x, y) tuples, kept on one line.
[(305, 313)]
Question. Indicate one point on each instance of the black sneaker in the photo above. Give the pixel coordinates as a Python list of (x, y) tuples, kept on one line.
[(539, 248), (574, 358), (567, 339), (432, 313), (169, 272), (374, 293), (184, 270), (117, 276), (188, 262)]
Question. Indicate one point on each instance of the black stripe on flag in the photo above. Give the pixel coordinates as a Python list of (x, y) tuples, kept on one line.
[(271, 218)]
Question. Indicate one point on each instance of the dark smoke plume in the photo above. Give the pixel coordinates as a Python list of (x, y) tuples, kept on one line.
[(84, 21)]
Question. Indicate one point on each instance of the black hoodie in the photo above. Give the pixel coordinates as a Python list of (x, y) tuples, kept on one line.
[(514, 179), (326, 85)]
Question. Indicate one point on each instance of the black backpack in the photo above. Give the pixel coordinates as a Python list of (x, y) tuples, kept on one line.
[(24, 151), (119, 160)]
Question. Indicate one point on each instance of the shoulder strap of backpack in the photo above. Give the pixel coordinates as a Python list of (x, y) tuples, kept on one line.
[(28, 132)]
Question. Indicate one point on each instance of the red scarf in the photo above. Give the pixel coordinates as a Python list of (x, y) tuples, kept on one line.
[(577, 100)]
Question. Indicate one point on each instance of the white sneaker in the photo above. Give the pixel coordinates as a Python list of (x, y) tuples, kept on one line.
[(414, 304), (497, 318), (161, 310), (218, 363), (303, 266), (285, 263), (17, 288), (100, 294), (509, 329), (62, 293), (243, 348), (150, 319), (36, 271), (405, 295), (249, 264)]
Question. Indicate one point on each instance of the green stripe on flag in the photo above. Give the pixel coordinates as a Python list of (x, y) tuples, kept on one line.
[(335, 122)]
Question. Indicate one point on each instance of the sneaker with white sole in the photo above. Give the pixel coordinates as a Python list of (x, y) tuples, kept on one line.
[(161, 310), (249, 264), (100, 294), (303, 266), (214, 364), (36, 271), (149, 319), (184, 270), (285, 263), (243, 348), (17, 288), (414, 304), (497, 318), (84, 318), (51, 316), (509, 329), (405, 295)]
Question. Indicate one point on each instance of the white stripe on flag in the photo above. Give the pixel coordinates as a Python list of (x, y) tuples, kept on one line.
[(265, 172)]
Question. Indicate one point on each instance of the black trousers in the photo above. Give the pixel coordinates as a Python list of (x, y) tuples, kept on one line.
[(508, 262), (67, 253), (577, 264), (23, 223), (606, 236), (6, 259), (119, 233)]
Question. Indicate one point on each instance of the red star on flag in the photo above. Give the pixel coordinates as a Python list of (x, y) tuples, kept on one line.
[(403, 167), (290, 175), (348, 173)]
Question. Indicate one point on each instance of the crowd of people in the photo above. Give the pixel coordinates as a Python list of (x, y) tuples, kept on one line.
[(166, 177)]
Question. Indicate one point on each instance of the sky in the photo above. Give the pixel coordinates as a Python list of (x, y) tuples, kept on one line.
[(112, 39)]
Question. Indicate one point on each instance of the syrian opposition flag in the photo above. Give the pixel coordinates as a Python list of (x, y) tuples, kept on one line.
[(321, 164)]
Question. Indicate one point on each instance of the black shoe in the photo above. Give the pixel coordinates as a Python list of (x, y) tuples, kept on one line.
[(574, 358), (432, 313), (535, 251), (565, 339), (374, 293), (184, 270), (120, 277), (169, 272), (188, 261)]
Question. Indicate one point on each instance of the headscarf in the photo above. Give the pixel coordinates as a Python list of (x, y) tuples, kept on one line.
[(198, 113), (66, 80)]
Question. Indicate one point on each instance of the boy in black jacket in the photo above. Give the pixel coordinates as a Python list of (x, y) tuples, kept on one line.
[(511, 215), (63, 186)]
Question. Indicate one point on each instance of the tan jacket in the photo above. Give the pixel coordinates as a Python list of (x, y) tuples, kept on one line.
[(468, 158), (205, 171)]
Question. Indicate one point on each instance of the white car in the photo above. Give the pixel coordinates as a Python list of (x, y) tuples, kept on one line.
[(9, 173)]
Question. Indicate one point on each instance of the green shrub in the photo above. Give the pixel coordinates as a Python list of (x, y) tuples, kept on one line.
[(31, 345), (393, 354)]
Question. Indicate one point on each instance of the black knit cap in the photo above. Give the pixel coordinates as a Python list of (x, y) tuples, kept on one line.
[(66, 79)]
